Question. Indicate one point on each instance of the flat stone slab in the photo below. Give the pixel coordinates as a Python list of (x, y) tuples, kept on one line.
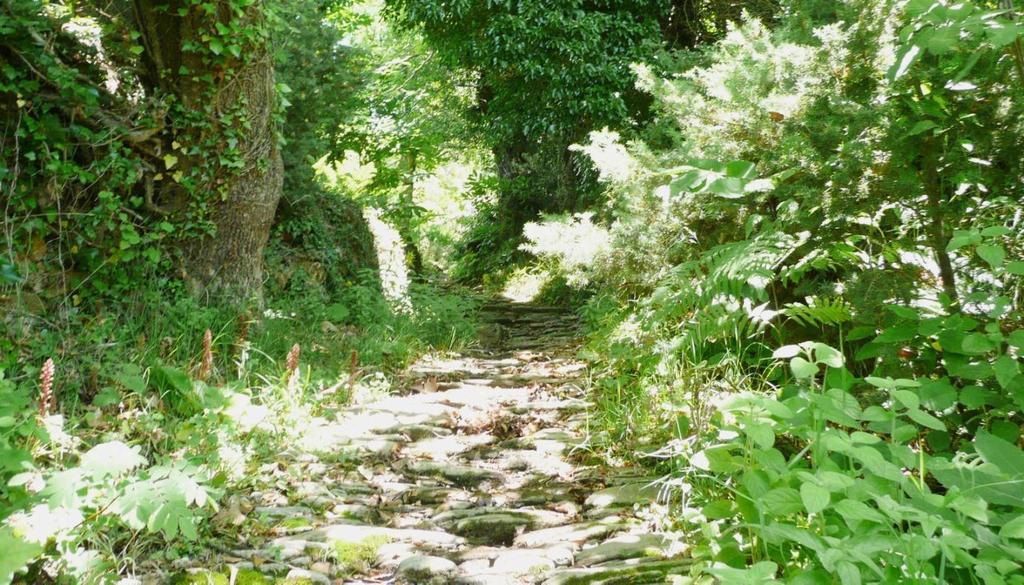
[(282, 511), (418, 432), (378, 447), (634, 572), (472, 395), (355, 511), (355, 533), (429, 495), (509, 566), (539, 518), (623, 496), (497, 526), (543, 494), (554, 435), (576, 534), (460, 475), (626, 546), (568, 404), (315, 577), (426, 570), (523, 561), (443, 447)]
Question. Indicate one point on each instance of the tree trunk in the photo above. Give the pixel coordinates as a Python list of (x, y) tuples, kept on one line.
[(223, 106), (936, 223), (412, 251)]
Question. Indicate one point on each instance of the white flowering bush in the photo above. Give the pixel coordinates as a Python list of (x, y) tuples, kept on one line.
[(573, 243)]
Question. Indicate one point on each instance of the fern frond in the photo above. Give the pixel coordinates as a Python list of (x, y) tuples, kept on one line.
[(819, 312), (831, 257)]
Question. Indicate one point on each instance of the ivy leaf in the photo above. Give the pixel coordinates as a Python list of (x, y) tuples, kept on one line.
[(1000, 453), (16, 554), (994, 231), (782, 502), (761, 434), (938, 394), (921, 126), (993, 254), (1014, 528), (786, 351), (757, 574), (170, 160), (1016, 338), (802, 368), (848, 573), (130, 376), (688, 182), (976, 344), (337, 313), (111, 458), (908, 55), (829, 356), (1006, 369), (907, 398), (839, 378), (1002, 32), (814, 497), (941, 41), (216, 46), (717, 459), (854, 510), (899, 333), (727, 187), (960, 239), (740, 169), (924, 419)]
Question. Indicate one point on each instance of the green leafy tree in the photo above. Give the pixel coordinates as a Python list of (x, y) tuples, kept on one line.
[(545, 75)]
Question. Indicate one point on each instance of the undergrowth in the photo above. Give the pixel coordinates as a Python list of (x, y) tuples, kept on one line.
[(803, 312), (124, 441)]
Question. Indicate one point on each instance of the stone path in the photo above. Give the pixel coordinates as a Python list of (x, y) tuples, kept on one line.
[(473, 477)]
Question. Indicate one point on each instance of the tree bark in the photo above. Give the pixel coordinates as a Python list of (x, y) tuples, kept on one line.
[(236, 97), (936, 223), (412, 251)]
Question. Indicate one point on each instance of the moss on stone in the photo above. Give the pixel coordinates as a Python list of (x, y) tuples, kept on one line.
[(243, 577), (357, 557), (200, 578), (251, 577), (295, 523)]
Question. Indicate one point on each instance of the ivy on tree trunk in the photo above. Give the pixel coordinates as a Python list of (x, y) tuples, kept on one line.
[(213, 65)]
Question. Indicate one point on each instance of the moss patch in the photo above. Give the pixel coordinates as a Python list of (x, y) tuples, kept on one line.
[(250, 577), (353, 558), (200, 578), (243, 577)]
